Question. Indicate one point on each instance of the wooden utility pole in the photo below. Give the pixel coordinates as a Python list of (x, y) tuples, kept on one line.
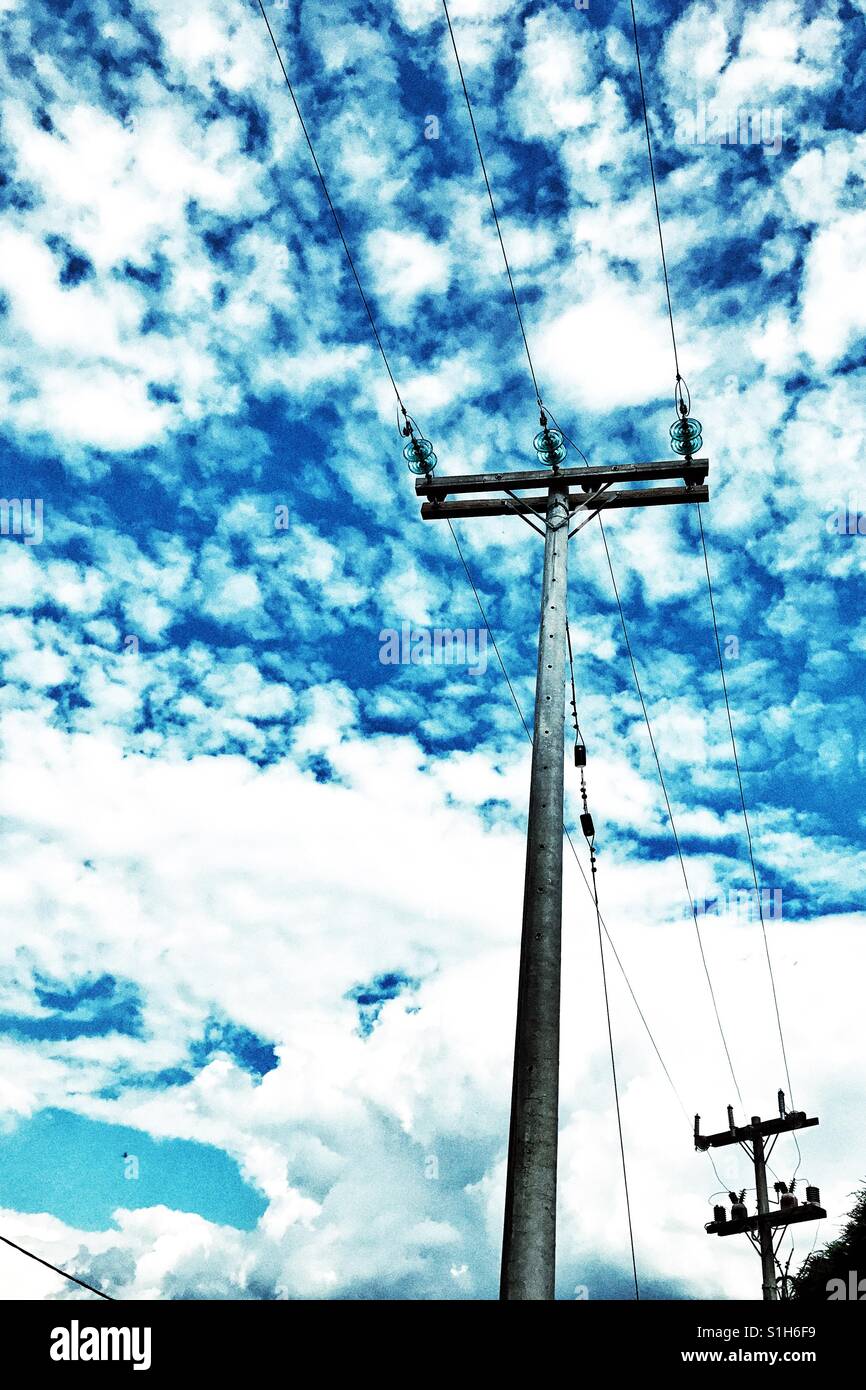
[(761, 1228), (529, 1234)]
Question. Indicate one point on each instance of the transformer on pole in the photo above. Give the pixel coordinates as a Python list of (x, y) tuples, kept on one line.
[(762, 1227)]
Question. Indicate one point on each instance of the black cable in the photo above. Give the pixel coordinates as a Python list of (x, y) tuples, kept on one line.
[(337, 222), (62, 1272), (606, 932), (670, 813), (649, 148), (492, 204), (745, 812)]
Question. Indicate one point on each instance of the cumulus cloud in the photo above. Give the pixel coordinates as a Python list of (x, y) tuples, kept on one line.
[(265, 890)]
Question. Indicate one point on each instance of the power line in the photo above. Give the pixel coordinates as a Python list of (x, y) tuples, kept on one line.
[(622, 615), (392, 380), (571, 844), (670, 814), (337, 222), (62, 1272), (492, 204), (397, 393), (649, 148), (745, 812), (709, 581)]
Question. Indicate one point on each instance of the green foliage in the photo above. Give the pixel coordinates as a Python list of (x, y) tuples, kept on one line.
[(836, 1260)]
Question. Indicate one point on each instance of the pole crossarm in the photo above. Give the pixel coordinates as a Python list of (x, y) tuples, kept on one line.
[(692, 471), (760, 1227), (741, 1134), (809, 1211), (611, 501)]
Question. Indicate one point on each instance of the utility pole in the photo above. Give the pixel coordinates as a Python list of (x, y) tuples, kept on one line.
[(765, 1234), (761, 1228), (529, 1238), (529, 1234)]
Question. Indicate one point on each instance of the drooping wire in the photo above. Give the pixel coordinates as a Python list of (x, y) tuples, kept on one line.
[(745, 812), (670, 815), (337, 222), (492, 204), (589, 831), (62, 1272), (576, 722)]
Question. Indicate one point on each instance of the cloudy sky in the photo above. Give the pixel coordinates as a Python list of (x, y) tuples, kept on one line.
[(262, 891)]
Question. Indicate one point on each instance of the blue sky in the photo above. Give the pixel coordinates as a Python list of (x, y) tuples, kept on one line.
[(263, 890)]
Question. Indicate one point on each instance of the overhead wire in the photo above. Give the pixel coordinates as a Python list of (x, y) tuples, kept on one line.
[(401, 406), (492, 204), (573, 848), (386, 362), (709, 582), (649, 147), (338, 224), (745, 811), (571, 844), (673, 826), (598, 516), (64, 1274)]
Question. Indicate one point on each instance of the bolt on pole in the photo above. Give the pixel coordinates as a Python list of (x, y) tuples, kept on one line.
[(529, 1235)]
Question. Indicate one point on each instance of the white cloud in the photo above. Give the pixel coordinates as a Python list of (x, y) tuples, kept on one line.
[(405, 265), (833, 310)]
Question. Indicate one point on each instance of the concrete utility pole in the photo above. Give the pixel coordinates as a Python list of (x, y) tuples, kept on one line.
[(529, 1235), (529, 1240), (766, 1222)]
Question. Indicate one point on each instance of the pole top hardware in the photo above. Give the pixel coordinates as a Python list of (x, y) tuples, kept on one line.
[(549, 444), (418, 453)]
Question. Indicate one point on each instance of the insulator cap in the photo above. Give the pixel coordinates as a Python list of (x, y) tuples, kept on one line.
[(686, 436), (550, 446), (719, 1214), (419, 455), (813, 1195)]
